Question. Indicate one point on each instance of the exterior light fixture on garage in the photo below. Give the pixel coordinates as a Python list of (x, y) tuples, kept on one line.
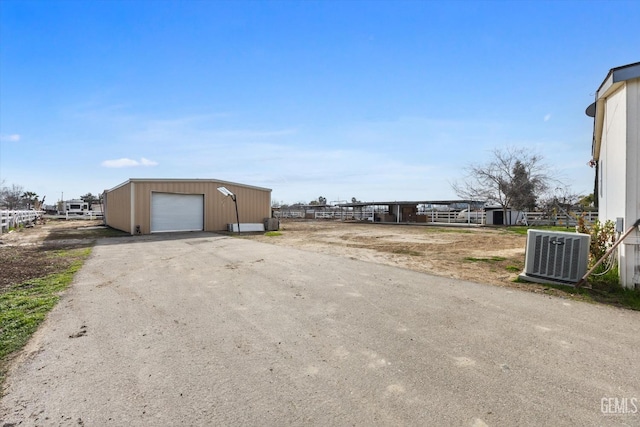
[(226, 192), (161, 205)]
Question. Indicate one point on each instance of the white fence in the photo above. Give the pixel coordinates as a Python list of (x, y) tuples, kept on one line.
[(559, 219), (288, 214), (345, 215), (14, 219), (519, 218), (444, 216), (84, 215)]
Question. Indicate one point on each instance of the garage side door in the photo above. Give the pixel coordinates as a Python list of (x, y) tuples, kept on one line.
[(177, 212)]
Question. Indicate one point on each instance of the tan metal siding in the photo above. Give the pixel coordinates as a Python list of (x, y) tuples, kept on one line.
[(118, 208), (253, 204)]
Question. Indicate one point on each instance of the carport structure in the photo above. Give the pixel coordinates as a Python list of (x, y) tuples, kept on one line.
[(421, 211), (144, 206)]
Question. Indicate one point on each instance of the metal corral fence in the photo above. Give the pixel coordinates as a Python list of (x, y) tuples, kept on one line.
[(288, 214), (14, 219), (336, 214), (517, 218), (560, 219), (346, 215), (444, 216)]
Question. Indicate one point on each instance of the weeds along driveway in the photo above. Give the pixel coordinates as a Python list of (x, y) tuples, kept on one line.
[(201, 329)]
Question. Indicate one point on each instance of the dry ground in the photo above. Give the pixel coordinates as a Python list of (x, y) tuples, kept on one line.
[(26, 254), (486, 255), (201, 329)]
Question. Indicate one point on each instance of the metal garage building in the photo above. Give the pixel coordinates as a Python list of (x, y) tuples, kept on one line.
[(144, 206)]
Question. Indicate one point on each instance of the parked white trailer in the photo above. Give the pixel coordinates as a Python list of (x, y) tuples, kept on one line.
[(75, 207)]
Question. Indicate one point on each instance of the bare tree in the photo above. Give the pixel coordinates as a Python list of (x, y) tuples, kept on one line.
[(512, 178), (11, 197), (561, 202)]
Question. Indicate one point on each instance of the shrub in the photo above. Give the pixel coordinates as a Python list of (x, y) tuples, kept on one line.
[(602, 237)]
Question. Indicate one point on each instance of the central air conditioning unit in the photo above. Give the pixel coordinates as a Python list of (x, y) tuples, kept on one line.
[(555, 257)]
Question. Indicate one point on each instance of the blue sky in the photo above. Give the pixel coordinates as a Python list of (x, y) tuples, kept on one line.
[(369, 99)]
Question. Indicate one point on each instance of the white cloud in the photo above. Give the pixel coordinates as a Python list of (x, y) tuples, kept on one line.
[(126, 163), (547, 117), (10, 138), (147, 162)]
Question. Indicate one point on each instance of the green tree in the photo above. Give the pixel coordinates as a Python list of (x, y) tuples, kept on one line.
[(587, 201), (522, 188), (29, 200), (320, 201), (89, 199)]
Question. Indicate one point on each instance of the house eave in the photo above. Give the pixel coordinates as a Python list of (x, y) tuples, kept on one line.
[(615, 79)]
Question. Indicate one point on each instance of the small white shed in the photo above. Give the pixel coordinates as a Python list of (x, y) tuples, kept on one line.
[(495, 216)]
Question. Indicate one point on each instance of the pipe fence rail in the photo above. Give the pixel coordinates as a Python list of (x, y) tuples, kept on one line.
[(442, 216)]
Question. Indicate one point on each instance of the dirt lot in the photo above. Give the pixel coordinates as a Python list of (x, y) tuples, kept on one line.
[(486, 255), (27, 253), (492, 256), (202, 329)]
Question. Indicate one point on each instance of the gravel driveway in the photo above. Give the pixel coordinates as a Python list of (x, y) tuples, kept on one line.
[(201, 329)]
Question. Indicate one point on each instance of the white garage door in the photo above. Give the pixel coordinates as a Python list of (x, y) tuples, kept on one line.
[(177, 212)]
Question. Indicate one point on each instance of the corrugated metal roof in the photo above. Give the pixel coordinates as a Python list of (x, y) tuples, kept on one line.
[(216, 181)]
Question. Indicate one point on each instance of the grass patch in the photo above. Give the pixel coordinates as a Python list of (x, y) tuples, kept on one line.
[(603, 289), (273, 233), (522, 230), (431, 229), (607, 289), (24, 306), (496, 263), (621, 297), (63, 253), (85, 233), (491, 259), (616, 296)]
